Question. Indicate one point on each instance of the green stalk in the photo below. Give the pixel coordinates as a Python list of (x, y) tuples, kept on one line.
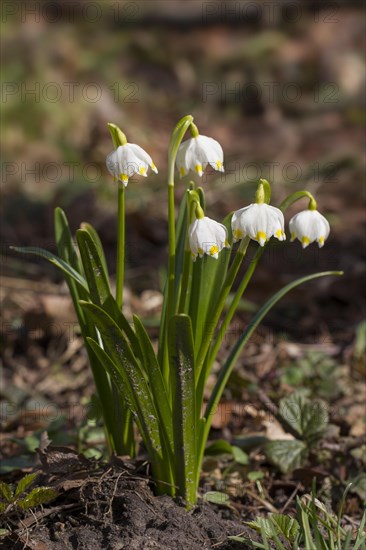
[(119, 139), (184, 294), (120, 246), (219, 305), (295, 197), (175, 141), (192, 200), (229, 315), (234, 304)]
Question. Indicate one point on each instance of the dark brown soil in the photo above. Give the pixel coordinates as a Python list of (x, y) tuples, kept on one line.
[(108, 507)]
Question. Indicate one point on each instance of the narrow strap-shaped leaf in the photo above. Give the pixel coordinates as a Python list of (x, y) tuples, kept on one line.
[(122, 385), (67, 252), (236, 350), (117, 347), (55, 260), (93, 267), (181, 360), (100, 291), (98, 243), (64, 240), (156, 381), (111, 307)]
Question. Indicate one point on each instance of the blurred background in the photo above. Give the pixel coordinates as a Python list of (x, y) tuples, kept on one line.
[(279, 84)]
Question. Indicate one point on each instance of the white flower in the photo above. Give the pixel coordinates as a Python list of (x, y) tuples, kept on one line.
[(197, 152), (260, 222), (309, 226), (127, 160), (207, 237)]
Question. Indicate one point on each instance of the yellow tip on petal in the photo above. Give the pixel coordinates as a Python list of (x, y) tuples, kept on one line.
[(198, 169), (218, 165), (227, 244), (153, 168), (293, 236), (278, 233), (200, 251), (305, 241), (238, 234), (214, 250), (142, 171), (123, 178), (261, 237), (321, 241), (182, 171)]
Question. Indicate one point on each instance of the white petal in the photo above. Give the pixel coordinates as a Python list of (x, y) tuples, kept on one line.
[(206, 236), (141, 154), (258, 221), (197, 152), (309, 226)]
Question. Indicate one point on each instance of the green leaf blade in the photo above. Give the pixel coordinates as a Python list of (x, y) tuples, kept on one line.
[(93, 267), (243, 339), (24, 483), (97, 242), (38, 496), (6, 492), (65, 244), (287, 454), (55, 260), (156, 380), (181, 361), (122, 357)]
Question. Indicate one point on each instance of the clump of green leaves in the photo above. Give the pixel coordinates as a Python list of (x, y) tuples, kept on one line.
[(23, 496), (306, 420), (313, 528)]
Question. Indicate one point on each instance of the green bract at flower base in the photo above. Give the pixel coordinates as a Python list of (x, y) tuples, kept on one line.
[(163, 393)]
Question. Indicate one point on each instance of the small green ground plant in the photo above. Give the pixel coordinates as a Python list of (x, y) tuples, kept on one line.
[(162, 392), (22, 496), (314, 527)]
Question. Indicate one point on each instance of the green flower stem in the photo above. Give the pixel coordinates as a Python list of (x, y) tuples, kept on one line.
[(120, 246), (226, 322), (192, 203), (234, 304), (297, 196), (119, 139), (175, 141), (184, 293), (219, 305)]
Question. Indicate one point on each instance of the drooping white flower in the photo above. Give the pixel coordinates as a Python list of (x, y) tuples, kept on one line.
[(129, 159), (197, 152), (309, 226), (206, 236), (260, 222)]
